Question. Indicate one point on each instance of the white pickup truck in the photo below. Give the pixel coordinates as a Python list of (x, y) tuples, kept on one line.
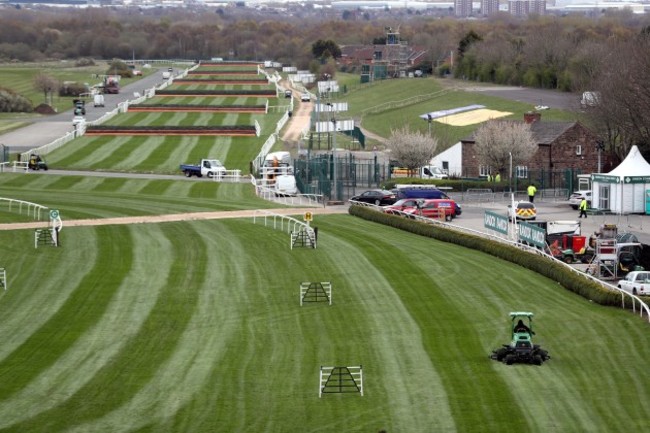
[(636, 282), (207, 167)]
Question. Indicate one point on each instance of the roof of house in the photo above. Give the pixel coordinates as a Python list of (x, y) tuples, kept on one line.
[(544, 133)]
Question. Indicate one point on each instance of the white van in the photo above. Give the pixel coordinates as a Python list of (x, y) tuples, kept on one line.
[(590, 99), (98, 100), (285, 184), (166, 75)]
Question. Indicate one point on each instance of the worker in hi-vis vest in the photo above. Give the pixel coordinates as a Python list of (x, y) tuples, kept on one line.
[(531, 192), (583, 207)]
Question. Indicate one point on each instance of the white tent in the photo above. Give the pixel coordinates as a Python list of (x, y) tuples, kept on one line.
[(623, 190)]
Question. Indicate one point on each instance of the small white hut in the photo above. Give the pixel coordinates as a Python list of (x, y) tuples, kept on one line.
[(626, 188)]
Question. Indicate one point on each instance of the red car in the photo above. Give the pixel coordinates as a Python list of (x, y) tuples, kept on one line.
[(402, 204), (435, 208)]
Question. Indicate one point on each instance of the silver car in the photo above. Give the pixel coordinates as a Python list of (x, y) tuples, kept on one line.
[(576, 198), (637, 283)]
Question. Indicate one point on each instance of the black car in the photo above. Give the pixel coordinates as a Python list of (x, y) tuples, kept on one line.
[(380, 197)]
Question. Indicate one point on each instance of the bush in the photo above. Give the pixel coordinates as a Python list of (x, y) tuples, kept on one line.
[(85, 61), (543, 265), (11, 102), (72, 89)]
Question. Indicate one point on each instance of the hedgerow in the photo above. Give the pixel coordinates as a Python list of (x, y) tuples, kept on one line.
[(542, 265)]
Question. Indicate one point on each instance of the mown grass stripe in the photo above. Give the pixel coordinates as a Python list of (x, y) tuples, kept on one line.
[(100, 343), (184, 383), (145, 352), (166, 152), (138, 152), (49, 278), (85, 304)]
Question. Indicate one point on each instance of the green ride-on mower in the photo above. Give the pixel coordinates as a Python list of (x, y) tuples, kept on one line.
[(521, 349)]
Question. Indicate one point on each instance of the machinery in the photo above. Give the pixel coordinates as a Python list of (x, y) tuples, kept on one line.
[(521, 348), (36, 163)]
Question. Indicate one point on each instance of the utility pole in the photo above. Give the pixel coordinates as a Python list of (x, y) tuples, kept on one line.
[(510, 173), (335, 194)]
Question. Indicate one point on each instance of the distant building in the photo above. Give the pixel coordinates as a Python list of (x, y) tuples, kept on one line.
[(522, 8), (463, 8), (489, 7), (392, 60)]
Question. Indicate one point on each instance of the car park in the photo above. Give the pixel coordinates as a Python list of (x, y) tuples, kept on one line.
[(435, 208), (577, 196), (523, 210), (379, 197), (636, 282)]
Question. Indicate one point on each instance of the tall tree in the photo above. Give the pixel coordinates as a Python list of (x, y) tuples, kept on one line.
[(325, 49), (496, 141), (46, 84), (411, 149)]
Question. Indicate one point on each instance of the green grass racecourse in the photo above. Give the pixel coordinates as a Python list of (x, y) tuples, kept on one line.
[(196, 326)]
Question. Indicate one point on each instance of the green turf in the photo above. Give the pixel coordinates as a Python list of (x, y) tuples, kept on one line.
[(365, 99), (197, 327), (103, 197)]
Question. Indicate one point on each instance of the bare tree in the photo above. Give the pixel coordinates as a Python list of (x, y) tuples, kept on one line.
[(46, 84), (411, 149), (499, 140)]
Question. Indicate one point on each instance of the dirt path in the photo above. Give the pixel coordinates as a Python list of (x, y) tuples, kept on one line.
[(300, 118), (196, 216)]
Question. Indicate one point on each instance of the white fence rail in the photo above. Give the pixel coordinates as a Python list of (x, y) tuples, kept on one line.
[(636, 301), (284, 223), (33, 210), (270, 194), (228, 176)]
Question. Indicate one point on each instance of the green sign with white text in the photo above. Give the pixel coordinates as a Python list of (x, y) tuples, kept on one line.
[(604, 178), (532, 235), (496, 222)]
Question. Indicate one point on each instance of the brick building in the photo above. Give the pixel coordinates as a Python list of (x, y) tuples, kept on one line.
[(562, 146)]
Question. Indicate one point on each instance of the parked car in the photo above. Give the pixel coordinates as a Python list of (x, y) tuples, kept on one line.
[(434, 208), (576, 198), (288, 93), (78, 120), (524, 210), (380, 197), (422, 192), (402, 204), (636, 282), (305, 97)]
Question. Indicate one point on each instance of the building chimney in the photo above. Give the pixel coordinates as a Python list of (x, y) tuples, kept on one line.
[(532, 116)]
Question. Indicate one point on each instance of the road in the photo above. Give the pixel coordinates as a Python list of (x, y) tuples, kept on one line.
[(46, 129), (551, 98)]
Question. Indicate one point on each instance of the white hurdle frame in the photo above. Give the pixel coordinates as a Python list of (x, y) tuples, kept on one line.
[(3, 278), (356, 372), (327, 286)]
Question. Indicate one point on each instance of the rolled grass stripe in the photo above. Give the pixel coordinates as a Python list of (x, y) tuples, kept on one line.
[(224, 81), (221, 93), (223, 72), (199, 108), (237, 130)]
